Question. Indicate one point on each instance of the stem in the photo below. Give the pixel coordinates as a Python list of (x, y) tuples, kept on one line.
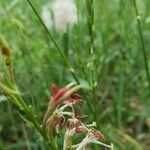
[(91, 30), (26, 137), (103, 144), (49, 141), (90, 23), (142, 42), (17, 100), (55, 43)]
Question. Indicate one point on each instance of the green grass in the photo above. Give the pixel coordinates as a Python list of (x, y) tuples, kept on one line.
[(118, 94)]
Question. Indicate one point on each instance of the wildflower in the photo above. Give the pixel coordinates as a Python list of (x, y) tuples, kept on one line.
[(54, 116), (57, 120), (63, 12), (75, 122), (68, 139), (73, 126), (93, 136), (57, 94)]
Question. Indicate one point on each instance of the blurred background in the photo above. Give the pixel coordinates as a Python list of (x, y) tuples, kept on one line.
[(117, 95)]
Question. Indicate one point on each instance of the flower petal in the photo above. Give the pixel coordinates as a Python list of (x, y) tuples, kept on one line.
[(60, 93), (54, 89)]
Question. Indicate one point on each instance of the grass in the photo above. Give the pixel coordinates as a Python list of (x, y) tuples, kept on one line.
[(104, 53)]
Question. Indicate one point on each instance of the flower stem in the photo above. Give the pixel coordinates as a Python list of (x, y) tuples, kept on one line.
[(67, 62)]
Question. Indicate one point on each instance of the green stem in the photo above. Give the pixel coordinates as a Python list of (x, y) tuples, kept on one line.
[(17, 100), (91, 30), (142, 42), (55, 43), (90, 22), (50, 142)]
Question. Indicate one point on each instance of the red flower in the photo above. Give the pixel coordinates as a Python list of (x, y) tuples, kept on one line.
[(74, 98), (56, 94), (76, 123), (80, 129), (97, 135)]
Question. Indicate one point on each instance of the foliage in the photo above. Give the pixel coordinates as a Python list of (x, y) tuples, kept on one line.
[(103, 54)]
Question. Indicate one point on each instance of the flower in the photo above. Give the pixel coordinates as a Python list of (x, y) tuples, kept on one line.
[(57, 94), (93, 136), (59, 122), (60, 14), (68, 139), (74, 125), (60, 99), (55, 118)]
